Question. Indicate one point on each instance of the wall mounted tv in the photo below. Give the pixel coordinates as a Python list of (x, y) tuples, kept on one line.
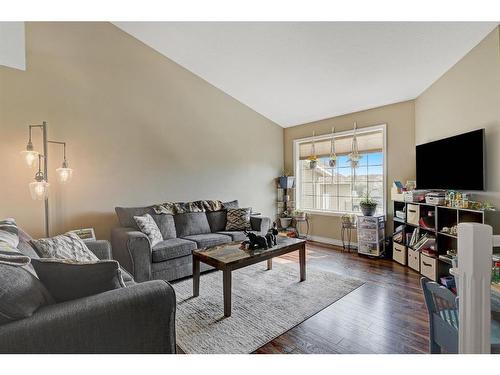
[(455, 163)]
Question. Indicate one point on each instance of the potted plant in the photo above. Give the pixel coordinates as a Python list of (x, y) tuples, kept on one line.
[(368, 206), (297, 214), (285, 220), (286, 181), (313, 161)]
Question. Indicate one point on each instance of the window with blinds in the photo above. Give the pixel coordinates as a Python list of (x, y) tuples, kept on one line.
[(340, 189)]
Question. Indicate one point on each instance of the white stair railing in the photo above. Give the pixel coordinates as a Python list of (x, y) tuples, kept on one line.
[(475, 247)]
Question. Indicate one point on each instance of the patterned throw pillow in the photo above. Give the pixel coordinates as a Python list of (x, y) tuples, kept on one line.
[(148, 226), (210, 206), (64, 246), (9, 232), (238, 219), (11, 256), (167, 208)]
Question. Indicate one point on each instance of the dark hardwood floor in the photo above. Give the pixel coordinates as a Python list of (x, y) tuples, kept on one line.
[(387, 314)]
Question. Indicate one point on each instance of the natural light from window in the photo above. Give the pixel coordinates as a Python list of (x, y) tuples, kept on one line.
[(341, 188)]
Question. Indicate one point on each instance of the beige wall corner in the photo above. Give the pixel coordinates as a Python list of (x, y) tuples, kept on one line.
[(140, 130), (465, 98), (400, 120)]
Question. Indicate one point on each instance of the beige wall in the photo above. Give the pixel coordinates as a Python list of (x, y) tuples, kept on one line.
[(400, 120), (465, 98), (140, 130)]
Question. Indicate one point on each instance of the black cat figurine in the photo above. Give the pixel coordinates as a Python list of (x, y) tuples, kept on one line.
[(255, 241), (272, 235)]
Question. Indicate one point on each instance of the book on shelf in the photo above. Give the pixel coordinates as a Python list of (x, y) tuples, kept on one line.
[(430, 252), (446, 257), (426, 222), (398, 237)]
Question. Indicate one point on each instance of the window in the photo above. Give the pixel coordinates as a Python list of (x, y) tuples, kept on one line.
[(341, 188)]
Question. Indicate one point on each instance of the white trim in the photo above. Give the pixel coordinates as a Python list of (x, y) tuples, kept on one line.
[(366, 129), (496, 241), (475, 245), (329, 241)]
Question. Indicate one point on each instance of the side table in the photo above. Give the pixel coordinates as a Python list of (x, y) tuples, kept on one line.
[(346, 235)]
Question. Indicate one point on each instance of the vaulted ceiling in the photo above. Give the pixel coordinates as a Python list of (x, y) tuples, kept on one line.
[(297, 72)]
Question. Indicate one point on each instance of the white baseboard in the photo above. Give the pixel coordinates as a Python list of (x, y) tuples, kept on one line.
[(328, 240)]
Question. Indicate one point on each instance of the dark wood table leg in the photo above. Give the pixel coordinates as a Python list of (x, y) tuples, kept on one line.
[(270, 264), (302, 262), (226, 281), (196, 277)]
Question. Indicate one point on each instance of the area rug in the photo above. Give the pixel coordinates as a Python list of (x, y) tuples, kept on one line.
[(265, 304)]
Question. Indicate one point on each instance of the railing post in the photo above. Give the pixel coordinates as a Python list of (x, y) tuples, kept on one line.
[(475, 244)]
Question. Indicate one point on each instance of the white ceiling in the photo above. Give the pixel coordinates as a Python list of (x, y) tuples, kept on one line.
[(12, 45), (297, 72)]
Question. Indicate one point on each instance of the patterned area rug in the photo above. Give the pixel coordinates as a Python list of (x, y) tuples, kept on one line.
[(265, 305)]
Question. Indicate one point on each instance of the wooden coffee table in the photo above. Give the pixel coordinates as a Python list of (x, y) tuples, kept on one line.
[(230, 257)]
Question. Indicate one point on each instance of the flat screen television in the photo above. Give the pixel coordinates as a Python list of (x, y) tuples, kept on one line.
[(454, 163)]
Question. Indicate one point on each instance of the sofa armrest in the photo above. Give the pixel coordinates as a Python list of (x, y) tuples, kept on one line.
[(132, 249), (136, 319), (260, 224), (101, 249)]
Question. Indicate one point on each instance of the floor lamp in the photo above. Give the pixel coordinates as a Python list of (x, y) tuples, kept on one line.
[(39, 189)]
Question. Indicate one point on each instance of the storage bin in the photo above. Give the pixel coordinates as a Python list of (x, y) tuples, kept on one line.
[(370, 222), (428, 267), (414, 259), (399, 253), (368, 248), (370, 235), (412, 213)]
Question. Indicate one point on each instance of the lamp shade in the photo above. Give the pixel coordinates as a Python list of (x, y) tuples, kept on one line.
[(64, 175), (39, 190), (30, 157)]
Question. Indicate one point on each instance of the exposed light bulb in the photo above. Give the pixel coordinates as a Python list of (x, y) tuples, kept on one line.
[(30, 156), (39, 190), (64, 174)]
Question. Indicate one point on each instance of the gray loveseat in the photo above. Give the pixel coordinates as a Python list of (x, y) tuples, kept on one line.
[(137, 319), (182, 233)]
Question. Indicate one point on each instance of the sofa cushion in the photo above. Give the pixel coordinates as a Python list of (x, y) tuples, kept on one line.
[(217, 220), (236, 235), (126, 215), (64, 246), (172, 248), (148, 226), (209, 239), (21, 293), (166, 224), (67, 280), (191, 223)]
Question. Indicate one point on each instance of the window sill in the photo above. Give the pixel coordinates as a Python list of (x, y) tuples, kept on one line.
[(332, 213)]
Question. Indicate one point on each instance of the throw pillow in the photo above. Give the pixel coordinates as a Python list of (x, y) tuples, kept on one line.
[(232, 204), (167, 208), (11, 256), (238, 219), (64, 246), (148, 226), (9, 232), (67, 280), (210, 206), (21, 293)]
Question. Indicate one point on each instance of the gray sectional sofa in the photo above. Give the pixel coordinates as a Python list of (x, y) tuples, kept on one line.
[(137, 319), (182, 233)]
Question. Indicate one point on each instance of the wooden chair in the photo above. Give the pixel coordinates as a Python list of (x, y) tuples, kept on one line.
[(442, 306)]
